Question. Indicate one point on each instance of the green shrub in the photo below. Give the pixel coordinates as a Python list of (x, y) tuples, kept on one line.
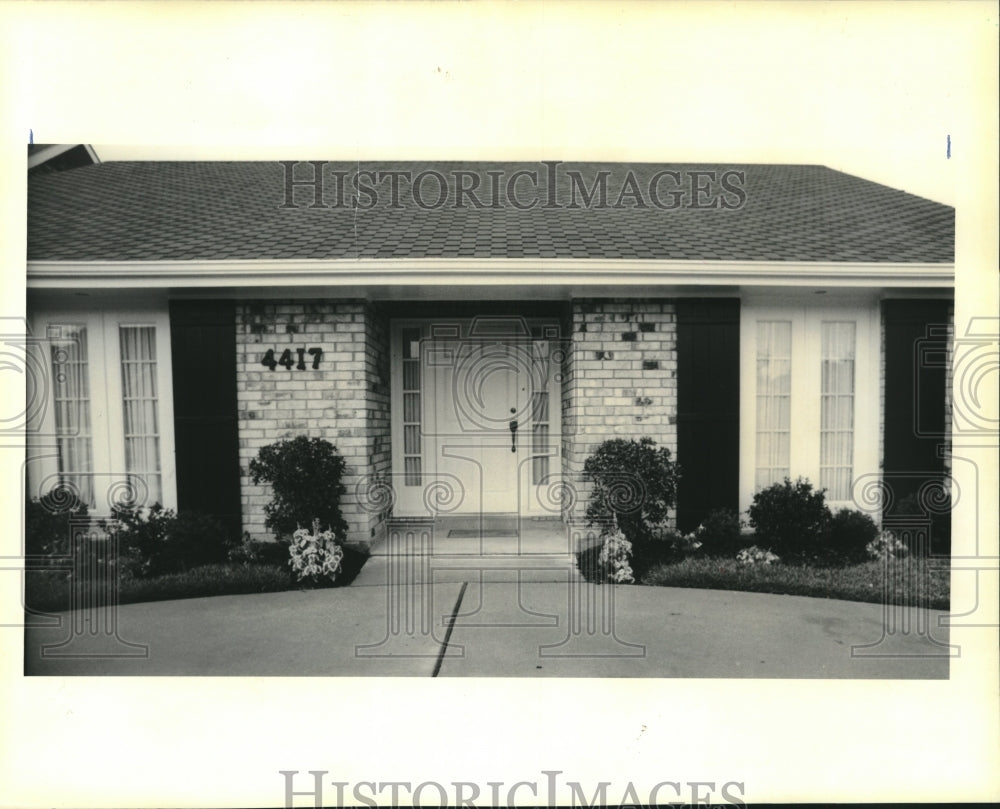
[(256, 552), (590, 564), (847, 536), (720, 534), (48, 522), (663, 547), (305, 475), (163, 541), (790, 518), (635, 484), (940, 521)]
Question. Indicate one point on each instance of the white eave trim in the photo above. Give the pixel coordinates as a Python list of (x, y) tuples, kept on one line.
[(478, 272)]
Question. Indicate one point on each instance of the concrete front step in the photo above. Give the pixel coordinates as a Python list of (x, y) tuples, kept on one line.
[(413, 569), (497, 561)]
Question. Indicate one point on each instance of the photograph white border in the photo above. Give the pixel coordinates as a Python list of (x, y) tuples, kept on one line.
[(903, 94)]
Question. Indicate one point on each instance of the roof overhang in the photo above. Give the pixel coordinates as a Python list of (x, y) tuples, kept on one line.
[(480, 272), (47, 153)]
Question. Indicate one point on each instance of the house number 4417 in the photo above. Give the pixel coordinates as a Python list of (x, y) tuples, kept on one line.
[(289, 361)]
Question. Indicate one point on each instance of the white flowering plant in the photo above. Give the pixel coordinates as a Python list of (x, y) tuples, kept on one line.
[(887, 545), (689, 543), (615, 556), (315, 555), (757, 556)]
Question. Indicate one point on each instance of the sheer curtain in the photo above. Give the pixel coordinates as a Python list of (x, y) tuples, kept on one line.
[(139, 403), (774, 393), (837, 409), (71, 397)]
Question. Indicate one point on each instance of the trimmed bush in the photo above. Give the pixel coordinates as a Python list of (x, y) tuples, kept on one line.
[(634, 485), (47, 526), (790, 518), (664, 547), (163, 541), (720, 534), (255, 552), (591, 565), (305, 475), (847, 536)]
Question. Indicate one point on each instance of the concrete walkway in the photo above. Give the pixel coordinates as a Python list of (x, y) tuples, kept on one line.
[(494, 622)]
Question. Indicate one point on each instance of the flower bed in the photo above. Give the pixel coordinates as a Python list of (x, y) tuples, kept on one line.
[(923, 582)]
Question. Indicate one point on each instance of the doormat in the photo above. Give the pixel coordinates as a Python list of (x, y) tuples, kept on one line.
[(484, 533)]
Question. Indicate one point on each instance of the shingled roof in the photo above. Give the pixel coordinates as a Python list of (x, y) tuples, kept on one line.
[(134, 211)]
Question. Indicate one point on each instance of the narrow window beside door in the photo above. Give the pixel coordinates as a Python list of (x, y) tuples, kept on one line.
[(540, 420), (412, 462)]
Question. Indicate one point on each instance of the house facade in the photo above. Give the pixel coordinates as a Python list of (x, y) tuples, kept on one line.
[(467, 333)]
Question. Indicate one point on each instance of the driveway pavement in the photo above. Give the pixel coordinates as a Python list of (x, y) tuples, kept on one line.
[(498, 622)]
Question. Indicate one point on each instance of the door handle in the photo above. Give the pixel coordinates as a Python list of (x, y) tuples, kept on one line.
[(513, 435)]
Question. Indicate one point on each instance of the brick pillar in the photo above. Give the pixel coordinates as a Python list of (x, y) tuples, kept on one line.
[(620, 380), (344, 400)]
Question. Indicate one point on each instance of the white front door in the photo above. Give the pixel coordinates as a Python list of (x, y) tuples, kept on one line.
[(488, 440), (478, 396)]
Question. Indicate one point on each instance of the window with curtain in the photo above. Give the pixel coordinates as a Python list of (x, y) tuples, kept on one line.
[(774, 393), (139, 407), (837, 409), (71, 399)]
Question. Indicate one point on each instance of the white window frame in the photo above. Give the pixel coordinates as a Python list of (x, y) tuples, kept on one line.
[(106, 405), (805, 439)]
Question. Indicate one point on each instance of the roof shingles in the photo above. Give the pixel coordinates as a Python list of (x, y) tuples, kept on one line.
[(232, 210)]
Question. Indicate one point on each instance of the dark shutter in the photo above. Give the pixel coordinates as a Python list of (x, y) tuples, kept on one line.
[(203, 348), (915, 375), (708, 407)]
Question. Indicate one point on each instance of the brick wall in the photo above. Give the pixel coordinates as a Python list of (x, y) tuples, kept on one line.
[(345, 400), (620, 379)]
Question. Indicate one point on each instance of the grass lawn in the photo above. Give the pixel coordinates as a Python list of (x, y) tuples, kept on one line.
[(51, 591), (917, 582)]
